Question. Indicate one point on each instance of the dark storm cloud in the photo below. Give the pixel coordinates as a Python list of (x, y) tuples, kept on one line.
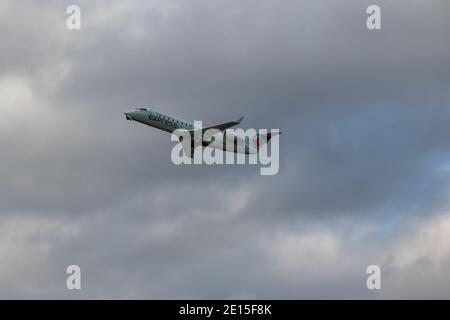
[(365, 145)]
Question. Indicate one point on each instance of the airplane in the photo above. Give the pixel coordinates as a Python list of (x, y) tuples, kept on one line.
[(215, 136)]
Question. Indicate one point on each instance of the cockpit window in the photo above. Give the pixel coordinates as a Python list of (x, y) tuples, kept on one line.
[(142, 109)]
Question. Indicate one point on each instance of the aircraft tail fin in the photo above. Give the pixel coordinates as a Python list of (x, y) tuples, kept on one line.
[(261, 139)]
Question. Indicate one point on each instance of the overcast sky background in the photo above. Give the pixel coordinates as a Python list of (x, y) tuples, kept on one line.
[(365, 156)]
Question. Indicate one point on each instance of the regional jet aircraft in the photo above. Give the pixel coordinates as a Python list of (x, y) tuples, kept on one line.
[(214, 136)]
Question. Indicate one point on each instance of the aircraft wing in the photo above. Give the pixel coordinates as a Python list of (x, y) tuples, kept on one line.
[(216, 129), (224, 126), (220, 127)]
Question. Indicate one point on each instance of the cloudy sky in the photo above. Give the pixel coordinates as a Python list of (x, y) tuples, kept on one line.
[(364, 160)]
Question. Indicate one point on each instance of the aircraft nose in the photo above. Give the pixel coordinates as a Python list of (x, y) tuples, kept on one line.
[(128, 115)]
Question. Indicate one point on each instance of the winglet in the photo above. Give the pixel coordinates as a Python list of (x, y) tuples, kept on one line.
[(239, 120)]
